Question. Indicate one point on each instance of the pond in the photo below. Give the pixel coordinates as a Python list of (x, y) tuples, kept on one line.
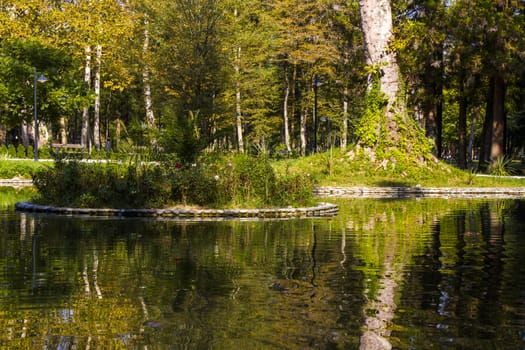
[(415, 274)]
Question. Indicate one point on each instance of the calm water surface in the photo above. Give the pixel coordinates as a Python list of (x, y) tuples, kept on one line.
[(427, 274)]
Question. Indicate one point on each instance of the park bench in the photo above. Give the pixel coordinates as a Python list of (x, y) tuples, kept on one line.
[(69, 150)]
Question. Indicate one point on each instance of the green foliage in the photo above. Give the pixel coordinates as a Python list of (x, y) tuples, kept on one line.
[(216, 182), (370, 129), (102, 185), (20, 151), (11, 151), (182, 137), (3, 152), (44, 152), (191, 185), (30, 152), (10, 195), (502, 166), (355, 168), (19, 168)]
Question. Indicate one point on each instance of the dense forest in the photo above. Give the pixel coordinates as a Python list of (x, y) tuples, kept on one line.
[(282, 76)]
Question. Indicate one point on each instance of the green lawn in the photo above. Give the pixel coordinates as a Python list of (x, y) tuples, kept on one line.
[(339, 168)]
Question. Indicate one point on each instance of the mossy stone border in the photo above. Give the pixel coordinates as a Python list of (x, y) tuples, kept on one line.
[(321, 210)]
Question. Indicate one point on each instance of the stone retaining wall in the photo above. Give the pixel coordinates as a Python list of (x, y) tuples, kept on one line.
[(419, 192), (322, 210)]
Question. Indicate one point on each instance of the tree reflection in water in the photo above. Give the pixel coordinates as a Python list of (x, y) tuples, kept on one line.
[(413, 274)]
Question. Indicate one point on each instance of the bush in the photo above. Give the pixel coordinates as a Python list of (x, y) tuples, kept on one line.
[(191, 185), (19, 168), (11, 151), (3, 152), (238, 181), (20, 151)]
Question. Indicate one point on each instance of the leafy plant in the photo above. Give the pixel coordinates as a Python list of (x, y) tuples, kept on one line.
[(502, 166)]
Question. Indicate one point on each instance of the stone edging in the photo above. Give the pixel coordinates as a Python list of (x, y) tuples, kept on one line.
[(322, 210), (16, 182), (420, 192)]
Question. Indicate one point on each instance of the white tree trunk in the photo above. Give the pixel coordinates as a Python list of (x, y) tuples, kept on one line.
[(84, 134), (376, 20), (63, 135), (24, 134), (148, 104), (303, 132), (344, 132), (238, 110), (285, 115), (96, 115)]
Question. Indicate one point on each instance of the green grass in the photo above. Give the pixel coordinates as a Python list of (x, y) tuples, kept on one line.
[(339, 168), (20, 168)]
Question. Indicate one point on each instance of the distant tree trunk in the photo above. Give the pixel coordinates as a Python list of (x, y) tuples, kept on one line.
[(238, 110), (23, 134), (84, 133), (498, 119), (344, 131), (62, 132), (470, 147), (303, 131), (148, 104), (493, 135), (462, 127), (96, 114), (486, 134), (285, 113)]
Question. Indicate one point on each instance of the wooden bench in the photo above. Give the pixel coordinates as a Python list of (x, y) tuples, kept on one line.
[(67, 149)]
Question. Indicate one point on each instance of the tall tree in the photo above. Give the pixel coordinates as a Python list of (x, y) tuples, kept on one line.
[(386, 128)]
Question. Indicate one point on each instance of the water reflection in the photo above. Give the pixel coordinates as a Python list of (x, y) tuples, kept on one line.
[(404, 274)]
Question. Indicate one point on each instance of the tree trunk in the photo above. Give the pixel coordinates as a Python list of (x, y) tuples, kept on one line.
[(96, 114), (462, 128), (344, 132), (23, 134), (376, 21), (238, 110), (303, 131), (62, 132), (285, 113), (84, 134), (498, 119), (486, 134), (470, 147), (148, 105)]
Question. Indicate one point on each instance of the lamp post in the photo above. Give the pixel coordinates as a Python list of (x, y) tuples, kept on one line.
[(37, 79)]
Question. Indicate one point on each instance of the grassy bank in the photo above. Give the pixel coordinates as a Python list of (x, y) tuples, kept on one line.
[(21, 168), (338, 168)]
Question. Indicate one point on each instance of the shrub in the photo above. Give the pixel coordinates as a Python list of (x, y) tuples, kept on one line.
[(191, 185), (20, 151), (30, 152), (11, 151), (44, 152), (3, 152), (240, 180), (502, 166)]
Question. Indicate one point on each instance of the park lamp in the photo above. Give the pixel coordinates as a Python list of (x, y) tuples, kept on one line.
[(38, 78)]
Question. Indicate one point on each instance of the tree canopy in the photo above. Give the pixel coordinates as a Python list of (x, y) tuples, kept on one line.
[(280, 76)]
